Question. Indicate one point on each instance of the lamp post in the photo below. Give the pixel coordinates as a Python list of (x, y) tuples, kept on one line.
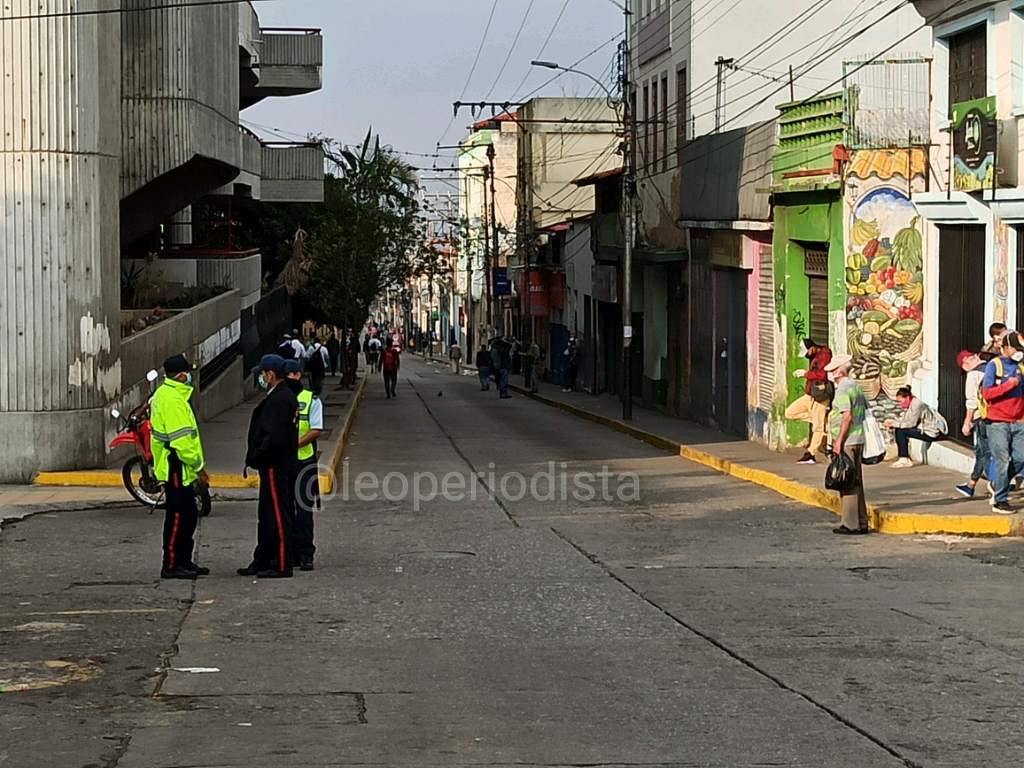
[(628, 194)]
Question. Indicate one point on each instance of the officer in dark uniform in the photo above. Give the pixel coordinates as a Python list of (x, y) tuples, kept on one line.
[(273, 435)]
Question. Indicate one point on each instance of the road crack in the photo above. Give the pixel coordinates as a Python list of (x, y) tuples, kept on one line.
[(738, 657), (477, 475)]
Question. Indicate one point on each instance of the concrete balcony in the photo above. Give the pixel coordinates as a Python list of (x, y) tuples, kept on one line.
[(290, 63), (292, 173)]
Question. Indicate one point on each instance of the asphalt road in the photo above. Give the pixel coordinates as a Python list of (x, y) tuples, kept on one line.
[(673, 618)]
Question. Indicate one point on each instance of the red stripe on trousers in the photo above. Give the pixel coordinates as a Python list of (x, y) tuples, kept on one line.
[(172, 546), (277, 513)]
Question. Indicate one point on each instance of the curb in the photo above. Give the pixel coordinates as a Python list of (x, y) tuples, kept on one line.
[(327, 478), (883, 520), (111, 478)]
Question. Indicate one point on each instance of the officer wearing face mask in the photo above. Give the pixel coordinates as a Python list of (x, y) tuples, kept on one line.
[(273, 435), (178, 462)]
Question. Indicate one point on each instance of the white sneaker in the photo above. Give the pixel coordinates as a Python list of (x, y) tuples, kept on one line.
[(902, 463)]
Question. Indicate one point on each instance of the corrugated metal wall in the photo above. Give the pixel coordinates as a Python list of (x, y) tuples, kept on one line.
[(293, 50), (59, 148)]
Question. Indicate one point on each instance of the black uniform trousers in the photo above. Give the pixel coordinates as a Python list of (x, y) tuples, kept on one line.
[(180, 518), (274, 535), (307, 501)]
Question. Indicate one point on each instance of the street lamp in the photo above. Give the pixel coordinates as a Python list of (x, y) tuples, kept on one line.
[(556, 65)]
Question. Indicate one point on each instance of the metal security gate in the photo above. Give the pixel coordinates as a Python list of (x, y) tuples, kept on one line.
[(730, 385), (766, 329), (701, 330), (961, 309)]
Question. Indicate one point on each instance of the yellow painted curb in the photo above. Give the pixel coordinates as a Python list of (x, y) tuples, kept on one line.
[(880, 519), (327, 478), (112, 479)]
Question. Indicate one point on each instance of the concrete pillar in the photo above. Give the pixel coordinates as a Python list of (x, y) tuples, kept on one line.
[(60, 144)]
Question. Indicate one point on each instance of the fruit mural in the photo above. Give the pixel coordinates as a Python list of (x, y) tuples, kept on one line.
[(885, 289)]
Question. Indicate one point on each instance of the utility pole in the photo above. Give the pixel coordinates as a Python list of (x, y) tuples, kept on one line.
[(628, 193), (721, 64), (494, 236), (485, 294)]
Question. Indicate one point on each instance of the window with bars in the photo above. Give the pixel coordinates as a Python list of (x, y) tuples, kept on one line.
[(652, 160), (664, 122), (968, 65), (816, 269), (682, 116)]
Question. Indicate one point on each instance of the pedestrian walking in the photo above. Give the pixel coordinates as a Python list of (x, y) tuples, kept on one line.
[(1004, 408), (273, 435), (390, 365), (375, 349), (179, 464), (333, 352), (813, 406), (504, 358), (455, 353), (483, 368), (572, 364), (975, 418), (307, 480), (849, 408), (316, 366), (918, 422)]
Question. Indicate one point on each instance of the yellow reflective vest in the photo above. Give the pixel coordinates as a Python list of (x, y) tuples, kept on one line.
[(175, 431), (305, 398)]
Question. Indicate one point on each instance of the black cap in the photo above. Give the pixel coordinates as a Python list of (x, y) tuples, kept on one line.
[(273, 363), (176, 364), (808, 343), (292, 366)]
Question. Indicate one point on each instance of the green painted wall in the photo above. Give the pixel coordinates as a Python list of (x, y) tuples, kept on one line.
[(804, 216)]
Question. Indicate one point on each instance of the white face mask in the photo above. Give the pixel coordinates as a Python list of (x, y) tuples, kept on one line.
[(1017, 356)]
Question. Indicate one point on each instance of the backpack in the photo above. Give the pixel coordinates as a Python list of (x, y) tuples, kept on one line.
[(316, 362), (982, 402)]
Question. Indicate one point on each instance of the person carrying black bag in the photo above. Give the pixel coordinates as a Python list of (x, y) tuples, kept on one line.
[(849, 408)]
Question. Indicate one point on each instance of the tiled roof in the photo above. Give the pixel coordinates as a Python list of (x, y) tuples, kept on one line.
[(886, 163)]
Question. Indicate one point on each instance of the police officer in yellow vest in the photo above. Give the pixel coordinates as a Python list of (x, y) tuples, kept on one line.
[(307, 483), (178, 462)]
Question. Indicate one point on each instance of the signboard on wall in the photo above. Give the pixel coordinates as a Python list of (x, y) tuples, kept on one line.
[(537, 293), (975, 135), (502, 285)]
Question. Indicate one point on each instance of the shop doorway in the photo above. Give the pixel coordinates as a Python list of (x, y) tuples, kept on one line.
[(961, 310), (730, 366)]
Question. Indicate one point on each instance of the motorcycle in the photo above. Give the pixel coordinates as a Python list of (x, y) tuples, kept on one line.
[(137, 474)]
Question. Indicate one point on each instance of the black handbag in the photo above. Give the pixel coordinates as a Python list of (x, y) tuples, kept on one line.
[(823, 391)]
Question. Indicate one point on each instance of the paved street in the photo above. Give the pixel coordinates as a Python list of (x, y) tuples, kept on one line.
[(708, 623)]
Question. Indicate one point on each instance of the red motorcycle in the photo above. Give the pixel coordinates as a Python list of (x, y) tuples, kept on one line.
[(137, 473)]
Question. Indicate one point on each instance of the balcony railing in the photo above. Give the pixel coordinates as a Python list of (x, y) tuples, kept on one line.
[(292, 173)]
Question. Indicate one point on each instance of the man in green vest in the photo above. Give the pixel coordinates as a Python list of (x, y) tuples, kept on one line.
[(307, 481), (178, 462)]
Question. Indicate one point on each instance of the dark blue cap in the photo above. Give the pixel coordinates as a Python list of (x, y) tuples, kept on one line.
[(292, 366), (176, 364), (273, 363)]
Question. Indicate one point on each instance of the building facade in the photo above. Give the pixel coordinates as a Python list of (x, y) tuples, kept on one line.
[(104, 149)]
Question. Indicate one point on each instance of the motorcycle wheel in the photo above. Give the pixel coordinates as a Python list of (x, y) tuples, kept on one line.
[(203, 504), (141, 484)]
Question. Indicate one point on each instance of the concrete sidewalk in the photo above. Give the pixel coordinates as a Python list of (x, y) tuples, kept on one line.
[(224, 439), (920, 500)]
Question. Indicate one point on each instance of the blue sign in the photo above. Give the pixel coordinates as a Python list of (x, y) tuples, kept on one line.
[(502, 285)]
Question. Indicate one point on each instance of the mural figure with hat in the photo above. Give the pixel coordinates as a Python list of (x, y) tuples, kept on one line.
[(179, 463), (273, 436)]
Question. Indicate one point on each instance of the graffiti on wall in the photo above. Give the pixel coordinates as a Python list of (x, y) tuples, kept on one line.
[(884, 272)]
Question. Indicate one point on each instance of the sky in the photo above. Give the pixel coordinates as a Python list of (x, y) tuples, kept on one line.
[(397, 65)]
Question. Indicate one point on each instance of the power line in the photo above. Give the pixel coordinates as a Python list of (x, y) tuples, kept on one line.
[(544, 47), (472, 71), (139, 9), (511, 50)]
